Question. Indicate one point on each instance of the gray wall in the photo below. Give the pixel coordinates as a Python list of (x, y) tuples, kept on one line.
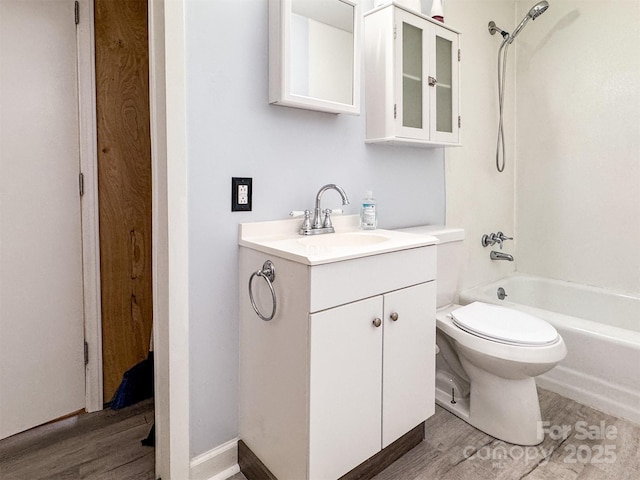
[(290, 153)]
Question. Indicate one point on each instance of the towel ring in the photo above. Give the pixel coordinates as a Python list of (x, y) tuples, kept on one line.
[(268, 272)]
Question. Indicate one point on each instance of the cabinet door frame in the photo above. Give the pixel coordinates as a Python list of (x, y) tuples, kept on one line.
[(402, 17), (435, 134)]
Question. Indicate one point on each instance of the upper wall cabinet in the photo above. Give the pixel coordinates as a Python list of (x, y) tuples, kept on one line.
[(411, 78), (314, 54)]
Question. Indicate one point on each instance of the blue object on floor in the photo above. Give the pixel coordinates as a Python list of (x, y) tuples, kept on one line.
[(136, 385)]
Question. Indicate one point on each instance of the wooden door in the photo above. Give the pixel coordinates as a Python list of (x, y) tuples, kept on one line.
[(41, 317), (124, 182)]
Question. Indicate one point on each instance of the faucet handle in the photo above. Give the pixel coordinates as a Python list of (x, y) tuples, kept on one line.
[(496, 239), (326, 223), (501, 237), (493, 238), (306, 223), (299, 213)]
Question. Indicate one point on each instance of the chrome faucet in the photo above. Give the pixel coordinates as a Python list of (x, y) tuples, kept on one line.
[(317, 222), (320, 223), (500, 256), (492, 239)]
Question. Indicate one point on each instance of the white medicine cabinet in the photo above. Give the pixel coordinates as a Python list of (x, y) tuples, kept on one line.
[(411, 78), (314, 54)]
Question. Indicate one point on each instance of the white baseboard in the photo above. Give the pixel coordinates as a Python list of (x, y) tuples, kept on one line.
[(217, 464), (595, 392)]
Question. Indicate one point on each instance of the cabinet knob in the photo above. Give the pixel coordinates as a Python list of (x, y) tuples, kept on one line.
[(394, 316), (377, 322), (432, 81)]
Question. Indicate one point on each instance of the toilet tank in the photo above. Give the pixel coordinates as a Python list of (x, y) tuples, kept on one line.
[(450, 254)]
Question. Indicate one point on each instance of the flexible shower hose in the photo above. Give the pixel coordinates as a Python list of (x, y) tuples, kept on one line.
[(502, 74)]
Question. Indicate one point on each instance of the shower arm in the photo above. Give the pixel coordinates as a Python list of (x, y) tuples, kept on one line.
[(493, 29)]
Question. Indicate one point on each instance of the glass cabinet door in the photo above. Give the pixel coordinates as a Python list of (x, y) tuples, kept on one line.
[(412, 47), (444, 87)]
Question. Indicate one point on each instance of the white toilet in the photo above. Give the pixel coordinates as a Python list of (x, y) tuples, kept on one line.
[(488, 355)]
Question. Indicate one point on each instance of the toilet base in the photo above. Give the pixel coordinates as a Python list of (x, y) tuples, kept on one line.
[(506, 409), (460, 408), (516, 425)]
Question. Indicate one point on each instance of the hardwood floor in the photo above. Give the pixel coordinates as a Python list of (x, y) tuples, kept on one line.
[(102, 446), (454, 450), (106, 445)]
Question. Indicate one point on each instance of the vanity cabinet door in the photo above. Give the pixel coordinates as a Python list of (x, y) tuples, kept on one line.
[(409, 359), (345, 384), (369, 384)]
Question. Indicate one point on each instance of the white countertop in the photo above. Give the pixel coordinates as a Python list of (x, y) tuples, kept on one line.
[(281, 238)]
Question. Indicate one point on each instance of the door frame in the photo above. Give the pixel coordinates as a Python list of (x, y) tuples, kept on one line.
[(169, 227), (170, 236), (89, 207)]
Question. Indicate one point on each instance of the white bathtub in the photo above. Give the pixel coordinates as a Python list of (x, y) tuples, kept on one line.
[(601, 329)]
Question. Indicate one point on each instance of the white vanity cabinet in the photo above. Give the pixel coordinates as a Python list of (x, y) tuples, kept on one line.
[(346, 366), (411, 78)]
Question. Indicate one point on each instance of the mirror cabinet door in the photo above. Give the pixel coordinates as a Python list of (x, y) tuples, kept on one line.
[(314, 59)]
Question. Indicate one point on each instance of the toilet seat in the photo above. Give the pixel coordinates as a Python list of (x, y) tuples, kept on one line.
[(503, 325)]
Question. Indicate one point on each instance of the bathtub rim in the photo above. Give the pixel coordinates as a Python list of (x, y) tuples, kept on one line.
[(618, 335)]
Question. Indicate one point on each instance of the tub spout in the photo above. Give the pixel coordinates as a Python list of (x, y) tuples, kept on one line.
[(500, 256)]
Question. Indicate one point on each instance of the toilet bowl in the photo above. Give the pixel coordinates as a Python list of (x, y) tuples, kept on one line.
[(488, 355)]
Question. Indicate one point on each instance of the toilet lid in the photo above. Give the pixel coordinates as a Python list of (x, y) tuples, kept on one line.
[(505, 325)]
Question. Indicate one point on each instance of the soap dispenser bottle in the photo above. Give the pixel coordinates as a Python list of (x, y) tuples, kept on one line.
[(368, 212)]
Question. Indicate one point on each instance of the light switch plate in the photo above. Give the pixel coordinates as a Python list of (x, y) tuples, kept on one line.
[(241, 193)]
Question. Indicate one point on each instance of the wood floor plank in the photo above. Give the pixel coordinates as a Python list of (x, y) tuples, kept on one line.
[(106, 446), (102, 445), (454, 450)]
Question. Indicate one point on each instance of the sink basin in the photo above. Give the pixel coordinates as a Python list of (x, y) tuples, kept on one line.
[(280, 238), (350, 239)]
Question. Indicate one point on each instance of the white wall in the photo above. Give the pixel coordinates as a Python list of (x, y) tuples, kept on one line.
[(290, 153), (578, 143), (480, 199)]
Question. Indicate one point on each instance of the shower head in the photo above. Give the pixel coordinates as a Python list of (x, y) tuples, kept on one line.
[(537, 10)]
